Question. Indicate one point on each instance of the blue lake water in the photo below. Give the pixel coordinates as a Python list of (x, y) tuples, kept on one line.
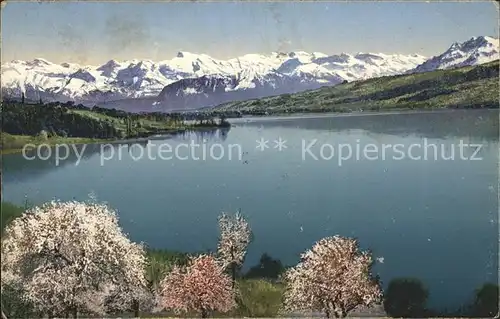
[(430, 217)]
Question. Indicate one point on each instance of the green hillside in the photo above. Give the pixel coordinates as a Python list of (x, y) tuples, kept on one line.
[(58, 123), (467, 87)]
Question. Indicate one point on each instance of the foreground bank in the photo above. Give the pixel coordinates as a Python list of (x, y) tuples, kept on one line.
[(164, 283)]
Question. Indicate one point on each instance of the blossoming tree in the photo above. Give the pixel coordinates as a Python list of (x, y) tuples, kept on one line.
[(200, 287), (72, 257), (235, 235), (333, 278)]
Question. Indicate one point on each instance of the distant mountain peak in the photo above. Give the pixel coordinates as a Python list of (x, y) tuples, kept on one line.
[(366, 56), (185, 54), (476, 50), (38, 62), (110, 63), (475, 42)]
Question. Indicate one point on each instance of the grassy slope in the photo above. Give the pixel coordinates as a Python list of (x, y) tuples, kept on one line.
[(464, 87), (8, 213), (15, 143)]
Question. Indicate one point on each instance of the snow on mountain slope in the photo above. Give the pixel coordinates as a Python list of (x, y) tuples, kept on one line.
[(212, 90), (117, 80), (247, 76), (350, 67), (477, 50)]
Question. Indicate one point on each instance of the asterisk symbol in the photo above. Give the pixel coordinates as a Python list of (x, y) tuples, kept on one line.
[(280, 144), (262, 144)]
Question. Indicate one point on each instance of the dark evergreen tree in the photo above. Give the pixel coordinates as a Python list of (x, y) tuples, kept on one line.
[(406, 297), (486, 301)]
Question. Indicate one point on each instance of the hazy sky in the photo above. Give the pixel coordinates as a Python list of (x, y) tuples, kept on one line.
[(95, 32)]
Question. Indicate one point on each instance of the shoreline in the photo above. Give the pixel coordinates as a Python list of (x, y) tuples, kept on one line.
[(307, 115), (390, 111), (234, 121), (91, 141)]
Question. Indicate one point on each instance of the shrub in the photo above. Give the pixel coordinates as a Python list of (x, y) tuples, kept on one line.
[(406, 297), (43, 135), (268, 268), (259, 298), (9, 212)]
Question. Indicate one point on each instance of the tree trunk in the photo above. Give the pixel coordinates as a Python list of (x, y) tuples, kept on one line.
[(4, 316), (75, 312), (136, 309), (204, 313), (327, 313), (233, 273)]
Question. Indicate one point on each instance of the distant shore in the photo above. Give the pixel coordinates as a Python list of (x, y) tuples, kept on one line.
[(346, 114)]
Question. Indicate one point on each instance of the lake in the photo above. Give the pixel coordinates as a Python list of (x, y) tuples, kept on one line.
[(419, 190)]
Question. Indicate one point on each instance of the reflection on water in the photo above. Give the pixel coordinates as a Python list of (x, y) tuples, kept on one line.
[(436, 220), (218, 135), (35, 162), (479, 125)]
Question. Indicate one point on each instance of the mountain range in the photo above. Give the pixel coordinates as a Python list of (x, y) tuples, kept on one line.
[(191, 81), (463, 87)]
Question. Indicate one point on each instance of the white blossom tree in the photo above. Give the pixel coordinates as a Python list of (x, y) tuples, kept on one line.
[(235, 236), (72, 257), (132, 293), (333, 277)]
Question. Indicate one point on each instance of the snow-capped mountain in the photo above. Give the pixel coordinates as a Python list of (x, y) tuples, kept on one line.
[(265, 74), (477, 50), (195, 80), (212, 90)]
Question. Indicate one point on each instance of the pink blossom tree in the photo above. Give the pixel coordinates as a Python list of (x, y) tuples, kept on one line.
[(201, 286), (235, 236), (333, 278), (72, 257)]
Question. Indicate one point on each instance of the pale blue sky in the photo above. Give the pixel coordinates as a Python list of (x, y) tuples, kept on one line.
[(95, 32)]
